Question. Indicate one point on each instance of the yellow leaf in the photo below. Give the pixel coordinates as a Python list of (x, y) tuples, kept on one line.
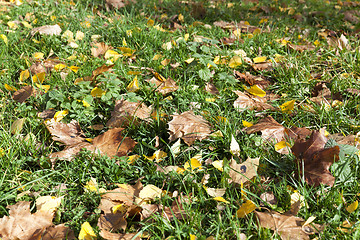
[(255, 90), (316, 43), (39, 77), (133, 72), (245, 209), (9, 88), (127, 51), (86, 232), (175, 148), (157, 57), (158, 156), (259, 59), (59, 67), (72, 57), (235, 61), (52, 18), (167, 46), (12, 25), (38, 55), (192, 164), (190, 60), (45, 88), (150, 192), (134, 85), (186, 36), (297, 197), (281, 145), (219, 165), (210, 99), (288, 106), (181, 17), (4, 38), (264, 20), (79, 35), (122, 208), (221, 199), (85, 103), (246, 123), (26, 24), (48, 203), (97, 92), (17, 126), (75, 69), (68, 35), (192, 237), (165, 62), (92, 186), (352, 207), (133, 158), (237, 33), (257, 31), (150, 22), (112, 55), (59, 115)]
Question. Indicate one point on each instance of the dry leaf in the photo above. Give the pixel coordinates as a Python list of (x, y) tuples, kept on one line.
[(301, 48), (69, 134), (125, 112), (189, 127), (99, 49), (266, 66), (23, 93), (243, 172), (47, 30), (270, 129), (287, 225), (316, 159), (211, 88), (261, 81), (247, 101), (164, 86), (119, 236)]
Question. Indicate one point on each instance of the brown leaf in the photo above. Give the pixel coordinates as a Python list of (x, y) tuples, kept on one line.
[(242, 26), (112, 144), (288, 226), (266, 66), (125, 112), (119, 236), (322, 94), (189, 127), (211, 88), (99, 49), (23, 93), (248, 101), (269, 198), (354, 91), (37, 67), (58, 232), (67, 133), (47, 30), (164, 87), (250, 79), (169, 213), (316, 159), (100, 70), (349, 16), (270, 129), (70, 151), (22, 224), (301, 48), (241, 173), (348, 140)]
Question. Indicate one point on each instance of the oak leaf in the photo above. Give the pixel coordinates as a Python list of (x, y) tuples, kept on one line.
[(189, 127)]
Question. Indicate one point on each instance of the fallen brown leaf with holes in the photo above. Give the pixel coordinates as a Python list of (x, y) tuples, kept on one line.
[(189, 127), (316, 159)]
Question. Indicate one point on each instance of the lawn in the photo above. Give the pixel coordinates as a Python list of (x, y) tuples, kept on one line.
[(179, 119)]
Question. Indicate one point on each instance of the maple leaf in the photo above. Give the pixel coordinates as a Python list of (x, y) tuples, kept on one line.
[(248, 101), (22, 224), (243, 172), (287, 225), (125, 112), (316, 159), (110, 143), (189, 127)]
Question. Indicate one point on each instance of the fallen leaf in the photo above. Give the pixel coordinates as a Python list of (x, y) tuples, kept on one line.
[(99, 49), (86, 232), (158, 156), (269, 198), (243, 172), (164, 86), (150, 193), (133, 85), (235, 61), (67, 133), (288, 106), (189, 127), (17, 126), (265, 66), (211, 88), (97, 92), (47, 30), (193, 164), (117, 236), (287, 225), (256, 91), (270, 129), (247, 101), (48, 203), (316, 159), (234, 147), (125, 112), (245, 209), (352, 207), (259, 59), (215, 192), (23, 93), (301, 48), (261, 81)]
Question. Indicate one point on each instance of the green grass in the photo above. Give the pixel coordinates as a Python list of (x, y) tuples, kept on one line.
[(25, 164)]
